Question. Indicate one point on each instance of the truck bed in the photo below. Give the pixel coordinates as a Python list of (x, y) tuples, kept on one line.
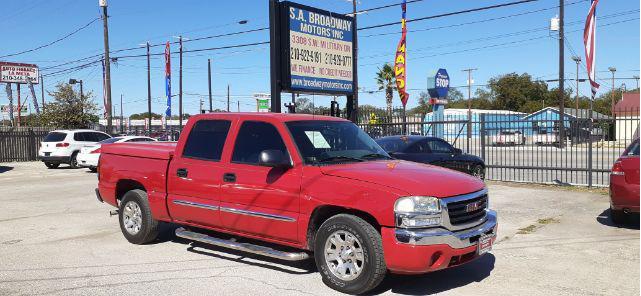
[(154, 150)]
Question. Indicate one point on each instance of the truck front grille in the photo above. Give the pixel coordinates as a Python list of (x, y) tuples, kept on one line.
[(467, 211)]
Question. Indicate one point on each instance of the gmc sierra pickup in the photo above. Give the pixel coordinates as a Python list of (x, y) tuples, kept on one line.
[(319, 185)]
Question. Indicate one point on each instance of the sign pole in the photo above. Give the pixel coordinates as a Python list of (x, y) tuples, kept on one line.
[(274, 49), (19, 105)]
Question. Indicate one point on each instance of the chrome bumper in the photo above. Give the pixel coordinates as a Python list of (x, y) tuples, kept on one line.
[(458, 239)]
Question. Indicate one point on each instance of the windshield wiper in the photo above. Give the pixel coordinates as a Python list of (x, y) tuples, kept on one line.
[(375, 155), (339, 158)]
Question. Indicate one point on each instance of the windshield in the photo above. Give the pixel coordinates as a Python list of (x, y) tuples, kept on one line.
[(110, 140), (322, 142)]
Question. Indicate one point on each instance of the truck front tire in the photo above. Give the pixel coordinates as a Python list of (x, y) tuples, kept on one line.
[(349, 254), (136, 222)]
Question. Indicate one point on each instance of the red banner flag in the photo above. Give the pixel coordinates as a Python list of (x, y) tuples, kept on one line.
[(399, 61)]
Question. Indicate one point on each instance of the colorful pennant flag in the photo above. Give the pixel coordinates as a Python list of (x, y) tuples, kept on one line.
[(589, 36), (167, 82), (399, 61)]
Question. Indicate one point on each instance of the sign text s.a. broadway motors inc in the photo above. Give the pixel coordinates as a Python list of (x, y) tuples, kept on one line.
[(18, 73), (320, 50)]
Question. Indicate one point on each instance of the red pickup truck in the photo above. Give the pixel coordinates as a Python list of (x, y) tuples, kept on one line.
[(319, 185)]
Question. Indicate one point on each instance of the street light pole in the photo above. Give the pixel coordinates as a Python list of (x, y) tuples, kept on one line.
[(577, 59), (180, 85), (149, 88), (211, 108), (612, 69), (561, 74), (469, 106)]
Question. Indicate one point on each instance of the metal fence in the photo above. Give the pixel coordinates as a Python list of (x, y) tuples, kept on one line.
[(528, 148), (20, 143)]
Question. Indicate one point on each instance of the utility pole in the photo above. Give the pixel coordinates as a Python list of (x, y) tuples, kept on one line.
[(42, 93), (577, 59), (469, 106), (561, 75), (211, 107), (200, 108), (352, 109), (238, 105), (636, 78), (227, 97), (149, 88), (180, 85), (103, 4), (121, 118), (612, 69)]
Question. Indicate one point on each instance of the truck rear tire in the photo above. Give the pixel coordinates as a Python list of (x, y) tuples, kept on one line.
[(349, 254), (136, 222)]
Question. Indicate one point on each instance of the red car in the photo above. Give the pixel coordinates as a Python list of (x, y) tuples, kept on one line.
[(314, 186), (624, 184)]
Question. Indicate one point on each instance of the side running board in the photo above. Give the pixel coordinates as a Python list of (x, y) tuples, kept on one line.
[(245, 247)]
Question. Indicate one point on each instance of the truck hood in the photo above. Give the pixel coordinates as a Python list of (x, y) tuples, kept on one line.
[(411, 177)]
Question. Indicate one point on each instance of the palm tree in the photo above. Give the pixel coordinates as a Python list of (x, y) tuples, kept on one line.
[(385, 79)]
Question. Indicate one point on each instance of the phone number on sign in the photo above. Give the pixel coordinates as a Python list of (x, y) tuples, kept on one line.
[(306, 55)]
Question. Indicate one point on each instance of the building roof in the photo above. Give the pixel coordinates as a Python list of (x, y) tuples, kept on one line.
[(628, 106), (483, 111), (576, 113)]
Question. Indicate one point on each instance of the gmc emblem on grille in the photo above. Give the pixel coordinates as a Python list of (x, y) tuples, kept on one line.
[(473, 206)]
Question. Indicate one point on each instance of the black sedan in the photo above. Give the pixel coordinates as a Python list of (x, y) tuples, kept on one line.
[(431, 150)]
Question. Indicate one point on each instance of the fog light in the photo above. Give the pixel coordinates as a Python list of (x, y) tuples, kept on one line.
[(420, 222)]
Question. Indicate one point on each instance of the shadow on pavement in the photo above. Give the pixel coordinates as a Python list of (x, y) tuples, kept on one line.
[(631, 223), (4, 169), (439, 281)]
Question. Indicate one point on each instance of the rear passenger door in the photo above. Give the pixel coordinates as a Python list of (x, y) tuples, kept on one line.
[(194, 176), (260, 200)]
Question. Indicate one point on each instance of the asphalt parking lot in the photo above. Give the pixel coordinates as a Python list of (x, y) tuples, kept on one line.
[(57, 239)]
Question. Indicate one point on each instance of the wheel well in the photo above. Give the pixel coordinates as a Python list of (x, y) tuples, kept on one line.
[(123, 186), (322, 213)]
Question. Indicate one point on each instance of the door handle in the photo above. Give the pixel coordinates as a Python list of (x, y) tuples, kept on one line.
[(229, 177), (182, 173)]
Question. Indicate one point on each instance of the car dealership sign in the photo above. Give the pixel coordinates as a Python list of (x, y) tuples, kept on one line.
[(320, 50), (18, 73), (439, 84)]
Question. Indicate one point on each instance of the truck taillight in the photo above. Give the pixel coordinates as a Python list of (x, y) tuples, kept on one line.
[(62, 144), (617, 169), (95, 151)]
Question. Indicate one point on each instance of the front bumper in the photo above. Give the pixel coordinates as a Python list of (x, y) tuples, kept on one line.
[(88, 159), (425, 250)]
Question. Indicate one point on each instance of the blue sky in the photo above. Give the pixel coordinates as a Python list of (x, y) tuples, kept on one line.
[(499, 41)]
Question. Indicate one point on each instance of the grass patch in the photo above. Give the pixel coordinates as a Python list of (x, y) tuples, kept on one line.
[(540, 222)]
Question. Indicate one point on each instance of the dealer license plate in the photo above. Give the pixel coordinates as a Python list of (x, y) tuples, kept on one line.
[(485, 244)]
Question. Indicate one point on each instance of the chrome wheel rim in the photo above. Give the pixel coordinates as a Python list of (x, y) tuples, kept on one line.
[(132, 217), (344, 255)]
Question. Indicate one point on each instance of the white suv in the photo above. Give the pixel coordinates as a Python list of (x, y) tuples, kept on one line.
[(62, 146)]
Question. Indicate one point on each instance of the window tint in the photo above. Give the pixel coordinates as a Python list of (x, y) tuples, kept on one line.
[(79, 137), (100, 137), (255, 137), (418, 147), (206, 139), (394, 144), (438, 146), (55, 137), (634, 149), (110, 140), (139, 140)]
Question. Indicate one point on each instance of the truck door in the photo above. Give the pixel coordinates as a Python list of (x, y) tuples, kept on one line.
[(256, 199), (193, 181)]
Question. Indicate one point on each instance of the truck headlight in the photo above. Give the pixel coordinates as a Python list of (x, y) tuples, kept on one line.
[(417, 211)]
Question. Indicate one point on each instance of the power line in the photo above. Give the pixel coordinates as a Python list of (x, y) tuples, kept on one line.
[(450, 14), (52, 42)]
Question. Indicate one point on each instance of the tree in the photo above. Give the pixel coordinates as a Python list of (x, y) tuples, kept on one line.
[(455, 95), (385, 79), (512, 91), (423, 105), (145, 115), (69, 110)]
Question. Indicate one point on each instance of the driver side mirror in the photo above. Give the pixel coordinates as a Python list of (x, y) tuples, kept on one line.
[(274, 158)]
